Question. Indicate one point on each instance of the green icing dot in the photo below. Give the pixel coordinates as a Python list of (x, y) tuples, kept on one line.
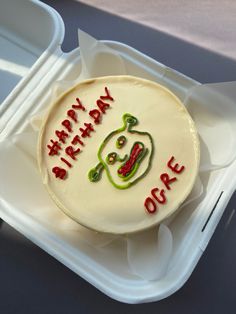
[(111, 158), (121, 141)]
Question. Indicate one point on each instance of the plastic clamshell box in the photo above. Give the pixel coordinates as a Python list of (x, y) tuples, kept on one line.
[(31, 60)]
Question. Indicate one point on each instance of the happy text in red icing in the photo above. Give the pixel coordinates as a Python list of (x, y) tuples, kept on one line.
[(69, 140)]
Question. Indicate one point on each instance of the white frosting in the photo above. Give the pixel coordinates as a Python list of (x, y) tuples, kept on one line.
[(101, 205)]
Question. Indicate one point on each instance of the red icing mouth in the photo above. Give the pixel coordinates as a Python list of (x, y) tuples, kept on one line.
[(128, 166)]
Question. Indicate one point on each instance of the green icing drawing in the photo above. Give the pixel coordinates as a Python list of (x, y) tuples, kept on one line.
[(129, 164)]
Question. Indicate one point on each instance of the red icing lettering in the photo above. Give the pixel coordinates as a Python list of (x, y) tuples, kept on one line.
[(62, 135), (72, 152), (66, 162), (167, 180), (86, 132), (159, 195), (79, 106), (67, 124), (103, 106), (77, 140), (95, 115), (150, 205), (175, 168), (72, 114), (59, 172), (108, 96), (54, 148), (161, 198)]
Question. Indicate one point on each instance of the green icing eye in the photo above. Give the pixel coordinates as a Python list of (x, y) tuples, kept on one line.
[(121, 141), (111, 158)]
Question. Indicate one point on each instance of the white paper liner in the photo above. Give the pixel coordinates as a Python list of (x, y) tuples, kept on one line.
[(95, 57), (148, 252)]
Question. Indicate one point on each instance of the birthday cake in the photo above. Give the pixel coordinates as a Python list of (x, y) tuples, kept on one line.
[(118, 154)]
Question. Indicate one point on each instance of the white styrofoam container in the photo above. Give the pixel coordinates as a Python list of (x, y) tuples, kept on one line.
[(31, 34), (37, 50)]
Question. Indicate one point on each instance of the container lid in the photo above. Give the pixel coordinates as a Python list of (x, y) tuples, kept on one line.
[(30, 37)]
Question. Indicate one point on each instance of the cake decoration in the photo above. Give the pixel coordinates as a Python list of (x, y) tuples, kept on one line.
[(127, 163), (62, 135), (118, 154), (158, 196)]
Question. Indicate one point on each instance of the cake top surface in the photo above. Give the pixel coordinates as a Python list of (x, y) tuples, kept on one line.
[(118, 154)]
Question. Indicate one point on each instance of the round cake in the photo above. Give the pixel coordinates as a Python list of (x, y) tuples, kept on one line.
[(118, 154)]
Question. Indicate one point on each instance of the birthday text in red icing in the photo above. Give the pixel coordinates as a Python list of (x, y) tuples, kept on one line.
[(70, 138)]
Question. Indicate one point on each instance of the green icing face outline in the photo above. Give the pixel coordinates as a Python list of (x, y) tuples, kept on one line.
[(129, 164)]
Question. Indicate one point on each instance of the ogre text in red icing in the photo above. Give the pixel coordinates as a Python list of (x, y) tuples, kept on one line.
[(69, 140), (158, 196)]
